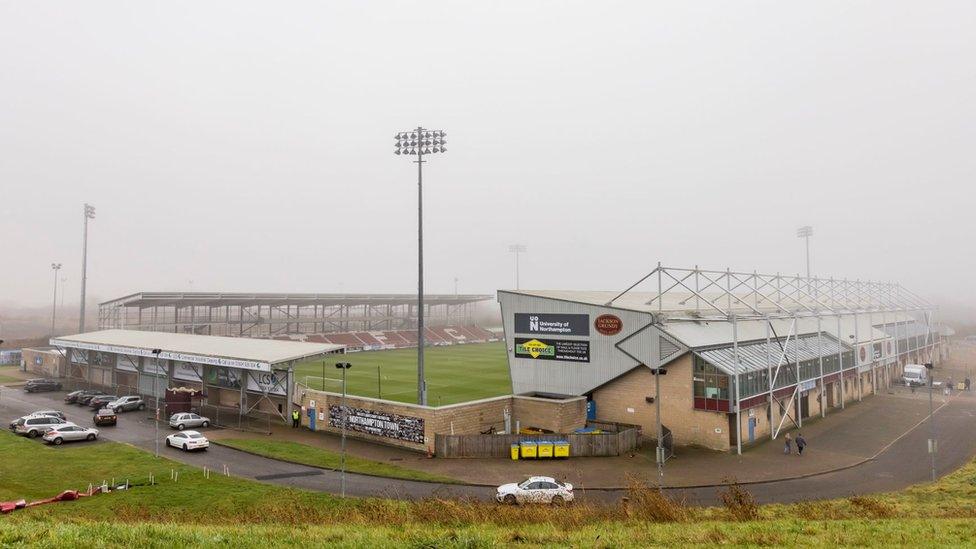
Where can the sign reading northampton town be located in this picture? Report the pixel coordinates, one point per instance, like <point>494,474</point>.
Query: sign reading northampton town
<point>552,349</point>
<point>552,324</point>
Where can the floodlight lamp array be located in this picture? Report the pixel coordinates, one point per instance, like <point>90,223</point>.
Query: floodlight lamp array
<point>420,142</point>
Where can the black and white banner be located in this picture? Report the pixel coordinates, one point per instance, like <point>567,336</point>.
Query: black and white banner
<point>379,424</point>
<point>268,382</point>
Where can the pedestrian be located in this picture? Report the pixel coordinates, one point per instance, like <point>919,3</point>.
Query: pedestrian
<point>967,383</point>
<point>801,443</point>
<point>788,445</point>
<point>296,418</point>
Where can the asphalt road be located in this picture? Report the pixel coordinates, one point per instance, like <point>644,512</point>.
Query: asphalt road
<point>903,463</point>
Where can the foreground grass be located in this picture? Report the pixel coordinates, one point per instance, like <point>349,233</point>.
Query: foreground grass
<point>915,532</point>
<point>318,457</point>
<point>228,511</point>
<point>455,373</point>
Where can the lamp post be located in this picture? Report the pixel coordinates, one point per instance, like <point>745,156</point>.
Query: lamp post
<point>517,249</point>
<point>419,142</point>
<point>932,444</point>
<point>342,453</point>
<point>54,307</point>
<point>155,353</point>
<point>805,232</point>
<point>89,214</point>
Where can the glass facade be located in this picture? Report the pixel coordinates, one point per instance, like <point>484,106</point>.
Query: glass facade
<point>711,383</point>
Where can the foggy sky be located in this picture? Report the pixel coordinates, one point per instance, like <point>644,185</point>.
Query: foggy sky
<point>246,146</point>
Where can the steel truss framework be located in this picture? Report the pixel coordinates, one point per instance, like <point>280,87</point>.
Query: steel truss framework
<point>696,295</point>
<point>267,315</point>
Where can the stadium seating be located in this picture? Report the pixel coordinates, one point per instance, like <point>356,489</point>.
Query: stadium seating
<point>438,335</point>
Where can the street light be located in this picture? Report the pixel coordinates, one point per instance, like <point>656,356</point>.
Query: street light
<point>155,353</point>
<point>54,307</point>
<point>89,214</point>
<point>342,454</point>
<point>806,232</point>
<point>419,142</point>
<point>933,446</point>
<point>517,249</point>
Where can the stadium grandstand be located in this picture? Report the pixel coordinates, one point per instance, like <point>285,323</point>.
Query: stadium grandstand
<point>358,321</point>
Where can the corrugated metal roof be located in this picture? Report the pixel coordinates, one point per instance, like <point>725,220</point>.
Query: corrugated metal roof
<point>908,329</point>
<point>220,299</point>
<point>263,351</point>
<point>760,356</point>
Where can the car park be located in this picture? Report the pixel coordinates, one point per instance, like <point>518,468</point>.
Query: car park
<point>535,490</point>
<point>69,432</point>
<point>187,440</point>
<point>182,420</point>
<point>34,426</point>
<point>101,401</point>
<point>127,404</point>
<point>40,385</point>
<point>105,416</point>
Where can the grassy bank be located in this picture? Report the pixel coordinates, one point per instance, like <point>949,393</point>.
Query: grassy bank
<point>196,511</point>
<point>915,532</point>
<point>318,457</point>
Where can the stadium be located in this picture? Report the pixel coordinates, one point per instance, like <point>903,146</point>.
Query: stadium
<point>723,358</point>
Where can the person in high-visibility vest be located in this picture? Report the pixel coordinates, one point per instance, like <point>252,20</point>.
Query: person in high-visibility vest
<point>296,418</point>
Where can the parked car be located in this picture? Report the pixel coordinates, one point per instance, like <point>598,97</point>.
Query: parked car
<point>34,426</point>
<point>188,440</point>
<point>182,420</point>
<point>535,490</point>
<point>105,416</point>
<point>86,397</point>
<point>13,423</point>
<point>69,432</point>
<point>101,401</point>
<point>127,404</point>
<point>39,385</point>
<point>72,397</point>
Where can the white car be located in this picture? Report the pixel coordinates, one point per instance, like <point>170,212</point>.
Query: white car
<point>535,490</point>
<point>69,432</point>
<point>183,420</point>
<point>188,440</point>
<point>48,413</point>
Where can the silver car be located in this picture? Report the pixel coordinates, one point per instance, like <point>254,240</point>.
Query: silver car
<point>38,425</point>
<point>69,432</point>
<point>183,420</point>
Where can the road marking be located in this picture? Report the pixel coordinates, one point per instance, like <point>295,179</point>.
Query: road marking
<point>912,428</point>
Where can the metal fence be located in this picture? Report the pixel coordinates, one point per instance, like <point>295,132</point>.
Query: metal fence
<point>232,418</point>
<point>499,446</point>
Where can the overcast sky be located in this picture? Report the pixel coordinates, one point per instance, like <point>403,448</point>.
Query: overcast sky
<point>248,146</point>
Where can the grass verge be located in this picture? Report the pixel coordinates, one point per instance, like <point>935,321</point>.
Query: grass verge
<point>317,457</point>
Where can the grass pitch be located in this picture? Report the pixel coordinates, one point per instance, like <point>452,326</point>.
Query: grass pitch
<point>456,373</point>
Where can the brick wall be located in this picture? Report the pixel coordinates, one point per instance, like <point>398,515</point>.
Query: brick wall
<point>51,362</point>
<point>465,418</point>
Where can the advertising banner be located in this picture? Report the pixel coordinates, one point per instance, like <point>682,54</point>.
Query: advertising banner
<point>79,356</point>
<point>552,349</point>
<point>552,324</point>
<point>224,377</point>
<point>381,424</point>
<point>187,371</point>
<point>268,382</point>
<point>104,360</point>
<point>127,363</point>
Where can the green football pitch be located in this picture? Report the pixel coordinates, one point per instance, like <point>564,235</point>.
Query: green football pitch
<point>455,373</point>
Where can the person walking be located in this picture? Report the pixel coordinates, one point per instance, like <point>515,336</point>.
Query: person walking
<point>801,443</point>
<point>967,383</point>
<point>296,418</point>
<point>787,445</point>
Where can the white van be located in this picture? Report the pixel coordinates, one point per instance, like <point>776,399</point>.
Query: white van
<point>915,374</point>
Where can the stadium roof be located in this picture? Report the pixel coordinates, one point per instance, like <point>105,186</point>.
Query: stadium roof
<point>234,352</point>
<point>221,299</point>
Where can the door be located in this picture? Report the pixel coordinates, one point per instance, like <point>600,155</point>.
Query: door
<point>752,430</point>
<point>830,395</point>
<point>805,406</point>
<point>733,431</point>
